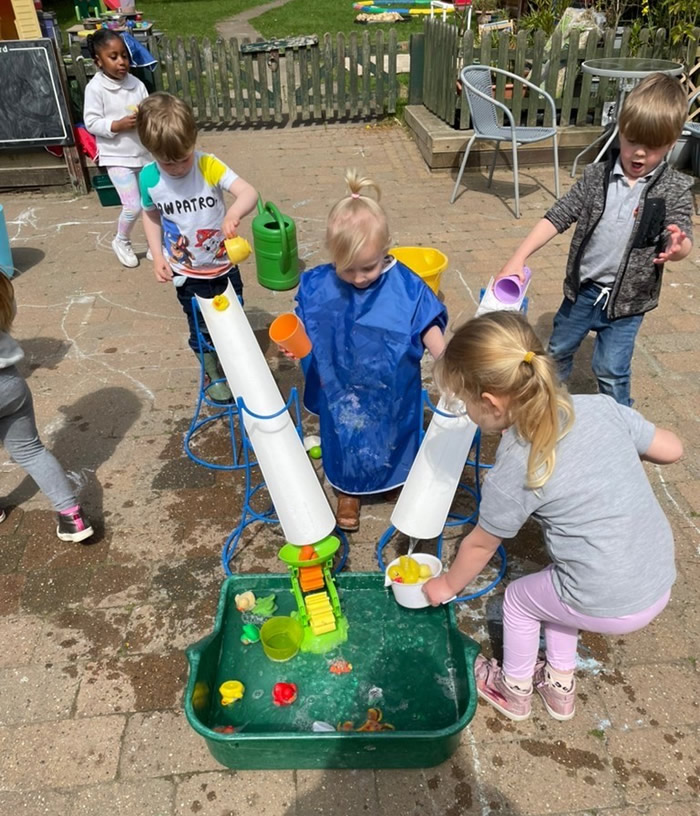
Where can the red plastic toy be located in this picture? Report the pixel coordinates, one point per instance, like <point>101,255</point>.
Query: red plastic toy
<point>284,694</point>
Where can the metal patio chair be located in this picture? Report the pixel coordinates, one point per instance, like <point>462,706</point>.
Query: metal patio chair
<point>477,85</point>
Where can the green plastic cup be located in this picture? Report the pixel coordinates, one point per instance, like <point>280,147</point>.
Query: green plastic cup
<point>281,638</point>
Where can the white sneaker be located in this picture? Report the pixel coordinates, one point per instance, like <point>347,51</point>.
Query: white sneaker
<point>149,254</point>
<point>123,251</point>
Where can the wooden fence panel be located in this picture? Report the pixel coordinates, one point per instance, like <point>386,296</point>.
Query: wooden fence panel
<point>183,67</point>
<point>519,69</point>
<point>467,59</point>
<point>234,52</point>
<point>552,80</point>
<point>585,96</point>
<point>569,78</point>
<point>223,65</point>
<point>340,83</point>
<point>379,82</point>
<point>353,54</point>
<point>392,79</point>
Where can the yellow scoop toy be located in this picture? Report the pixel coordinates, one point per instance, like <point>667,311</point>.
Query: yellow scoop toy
<point>231,691</point>
<point>409,571</point>
<point>237,249</point>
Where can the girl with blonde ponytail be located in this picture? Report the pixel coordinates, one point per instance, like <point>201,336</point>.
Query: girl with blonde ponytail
<point>369,319</point>
<point>574,465</point>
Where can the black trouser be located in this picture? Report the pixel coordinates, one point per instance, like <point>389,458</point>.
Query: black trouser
<point>207,288</point>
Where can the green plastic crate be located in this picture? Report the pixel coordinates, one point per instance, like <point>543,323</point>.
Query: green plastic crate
<point>106,191</point>
<point>414,665</point>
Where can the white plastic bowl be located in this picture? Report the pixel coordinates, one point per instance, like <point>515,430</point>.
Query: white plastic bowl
<point>411,595</point>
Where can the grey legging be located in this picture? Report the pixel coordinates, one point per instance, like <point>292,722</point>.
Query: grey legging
<point>20,437</point>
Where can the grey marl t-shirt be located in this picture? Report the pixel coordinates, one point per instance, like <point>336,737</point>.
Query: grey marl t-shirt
<point>608,537</point>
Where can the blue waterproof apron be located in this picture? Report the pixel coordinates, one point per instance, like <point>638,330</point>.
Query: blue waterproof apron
<point>363,374</point>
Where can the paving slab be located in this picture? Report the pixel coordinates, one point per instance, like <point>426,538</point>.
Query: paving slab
<point>92,639</point>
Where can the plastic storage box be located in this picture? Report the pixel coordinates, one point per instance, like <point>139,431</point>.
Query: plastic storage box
<point>106,191</point>
<point>414,666</point>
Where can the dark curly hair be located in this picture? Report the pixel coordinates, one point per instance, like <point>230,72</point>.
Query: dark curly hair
<point>100,40</point>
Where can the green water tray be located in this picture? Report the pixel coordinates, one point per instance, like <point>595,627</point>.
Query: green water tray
<point>414,665</point>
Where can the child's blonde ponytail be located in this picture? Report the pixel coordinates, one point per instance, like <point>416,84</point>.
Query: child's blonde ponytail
<point>500,354</point>
<point>7,303</point>
<point>357,220</point>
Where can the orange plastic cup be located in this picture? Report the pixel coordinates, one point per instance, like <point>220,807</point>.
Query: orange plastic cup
<point>289,333</point>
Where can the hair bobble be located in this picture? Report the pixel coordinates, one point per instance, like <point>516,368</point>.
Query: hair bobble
<point>529,357</point>
<point>354,195</point>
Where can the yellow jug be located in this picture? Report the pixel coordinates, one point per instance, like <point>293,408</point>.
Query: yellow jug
<point>237,249</point>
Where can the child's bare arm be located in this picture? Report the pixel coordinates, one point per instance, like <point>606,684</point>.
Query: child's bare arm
<point>246,198</point>
<point>665,448</point>
<point>543,232</point>
<point>473,555</point>
<point>434,341</point>
<point>154,236</point>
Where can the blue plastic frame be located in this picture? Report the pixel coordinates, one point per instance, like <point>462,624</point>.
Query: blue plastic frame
<point>229,412</point>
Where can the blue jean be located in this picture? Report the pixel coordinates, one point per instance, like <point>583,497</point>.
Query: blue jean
<point>207,288</point>
<point>614,343</point>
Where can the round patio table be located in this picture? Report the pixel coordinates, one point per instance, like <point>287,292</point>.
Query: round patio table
<point>627,71</point>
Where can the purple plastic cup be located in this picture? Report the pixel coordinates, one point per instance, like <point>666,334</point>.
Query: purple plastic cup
<point>509,290</point>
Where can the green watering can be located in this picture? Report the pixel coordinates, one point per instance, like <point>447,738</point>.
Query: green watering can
<point>275,242</point>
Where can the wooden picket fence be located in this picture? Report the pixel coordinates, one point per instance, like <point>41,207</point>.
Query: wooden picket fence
<point>230,83</point>
<point>578,97</point>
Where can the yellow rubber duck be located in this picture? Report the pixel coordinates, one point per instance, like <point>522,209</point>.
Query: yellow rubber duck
<point>231,691</point>
<point>245,601</point>
<point>409,571</point>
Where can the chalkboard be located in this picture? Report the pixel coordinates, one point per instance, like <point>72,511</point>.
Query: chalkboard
<point>33,110</point>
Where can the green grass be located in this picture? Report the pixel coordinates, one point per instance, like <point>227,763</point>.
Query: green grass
<point>198,18</point>
<point>298,17</point>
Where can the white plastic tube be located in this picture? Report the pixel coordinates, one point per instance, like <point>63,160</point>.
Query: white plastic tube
<point>422,508</point>
<point>299,500</point>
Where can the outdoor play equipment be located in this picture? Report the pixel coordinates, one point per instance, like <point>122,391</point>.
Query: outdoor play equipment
<point>318,606</point>
<point>299,501</point>
<point>424,504</point>
<point>415,666</point>
<point>406,8</point>
<point>6,264</point>
<point>275,242</point>
<point>426,262</point>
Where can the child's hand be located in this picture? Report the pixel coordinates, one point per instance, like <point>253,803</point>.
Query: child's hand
<point>512,267</point>
<point>437,590</point>
<point>230,225</point>
<point>287,353</point>
<point>676,237</point>
<point>125,123</point>
<point>162,269</point>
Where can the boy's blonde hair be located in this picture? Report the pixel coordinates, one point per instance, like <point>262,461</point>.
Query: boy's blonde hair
<point>356,221</point>
<point>655,111</point>
<point>7,303</point>
<point>166,127</point>
<point>500,354</point>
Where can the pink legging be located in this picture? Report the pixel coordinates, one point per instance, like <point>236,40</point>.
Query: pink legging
<point>531,602</point>
<point>126,183</point>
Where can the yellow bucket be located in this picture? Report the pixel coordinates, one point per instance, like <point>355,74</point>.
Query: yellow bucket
<point>427,263</point>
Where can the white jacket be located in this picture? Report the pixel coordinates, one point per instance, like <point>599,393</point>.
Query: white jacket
<point>107,100</point>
